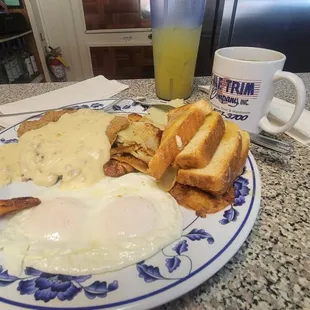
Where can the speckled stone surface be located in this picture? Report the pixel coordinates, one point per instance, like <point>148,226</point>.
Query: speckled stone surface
<point>272,268</point>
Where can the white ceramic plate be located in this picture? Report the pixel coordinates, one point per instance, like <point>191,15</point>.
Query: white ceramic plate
<point>205,247</point>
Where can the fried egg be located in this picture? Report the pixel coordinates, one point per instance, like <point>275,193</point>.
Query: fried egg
<point>106,227</point>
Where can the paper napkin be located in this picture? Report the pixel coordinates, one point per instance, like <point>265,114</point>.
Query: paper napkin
<point>281,111</point>
<point>92,89</point>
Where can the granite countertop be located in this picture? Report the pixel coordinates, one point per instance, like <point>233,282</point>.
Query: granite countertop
<point>272,268</point>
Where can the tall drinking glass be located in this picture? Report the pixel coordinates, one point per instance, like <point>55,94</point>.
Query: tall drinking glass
<point>176,29</point>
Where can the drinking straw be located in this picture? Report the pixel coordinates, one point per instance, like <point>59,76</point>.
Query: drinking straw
<point>165,11</point>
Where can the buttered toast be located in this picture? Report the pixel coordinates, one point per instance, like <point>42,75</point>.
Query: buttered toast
<point>245,138</point>
<point>199,151</point>
<point>217,176</point>
<point>183,123</point>
<point>204,203</point>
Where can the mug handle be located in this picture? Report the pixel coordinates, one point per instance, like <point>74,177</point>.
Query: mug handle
<point>299,106</point>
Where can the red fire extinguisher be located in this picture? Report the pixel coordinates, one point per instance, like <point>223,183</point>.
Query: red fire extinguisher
<point>56,64</point>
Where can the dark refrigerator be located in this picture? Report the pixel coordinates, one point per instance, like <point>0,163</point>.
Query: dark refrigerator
<point>282,25</point>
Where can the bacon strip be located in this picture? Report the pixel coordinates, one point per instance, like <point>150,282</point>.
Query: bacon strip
<point>11,205</point>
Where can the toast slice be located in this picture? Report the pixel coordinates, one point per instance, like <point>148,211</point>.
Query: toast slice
<point>204,203</point>
<point>199,151</point>
<point>244,152</point>
<point>182,125</point>
<point>220,173</point>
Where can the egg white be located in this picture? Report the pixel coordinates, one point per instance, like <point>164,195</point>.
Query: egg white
<point>111,225</point>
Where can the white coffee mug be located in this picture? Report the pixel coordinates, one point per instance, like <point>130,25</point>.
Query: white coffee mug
<point>242,87</point>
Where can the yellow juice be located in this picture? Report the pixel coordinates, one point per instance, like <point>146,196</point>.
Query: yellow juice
<point>175,53</point>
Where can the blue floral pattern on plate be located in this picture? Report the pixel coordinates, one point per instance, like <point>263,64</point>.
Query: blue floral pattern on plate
<point>150,273</point>
<point>45,286</point>
<point>8,141</point>
<point>241,191</point>
<point>126,105</point>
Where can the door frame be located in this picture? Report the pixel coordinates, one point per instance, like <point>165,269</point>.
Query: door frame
<point>103,37</point>
<point>74,38</point>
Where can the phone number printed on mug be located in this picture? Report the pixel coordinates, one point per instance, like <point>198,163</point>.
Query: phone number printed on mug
<point>232,116</point>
